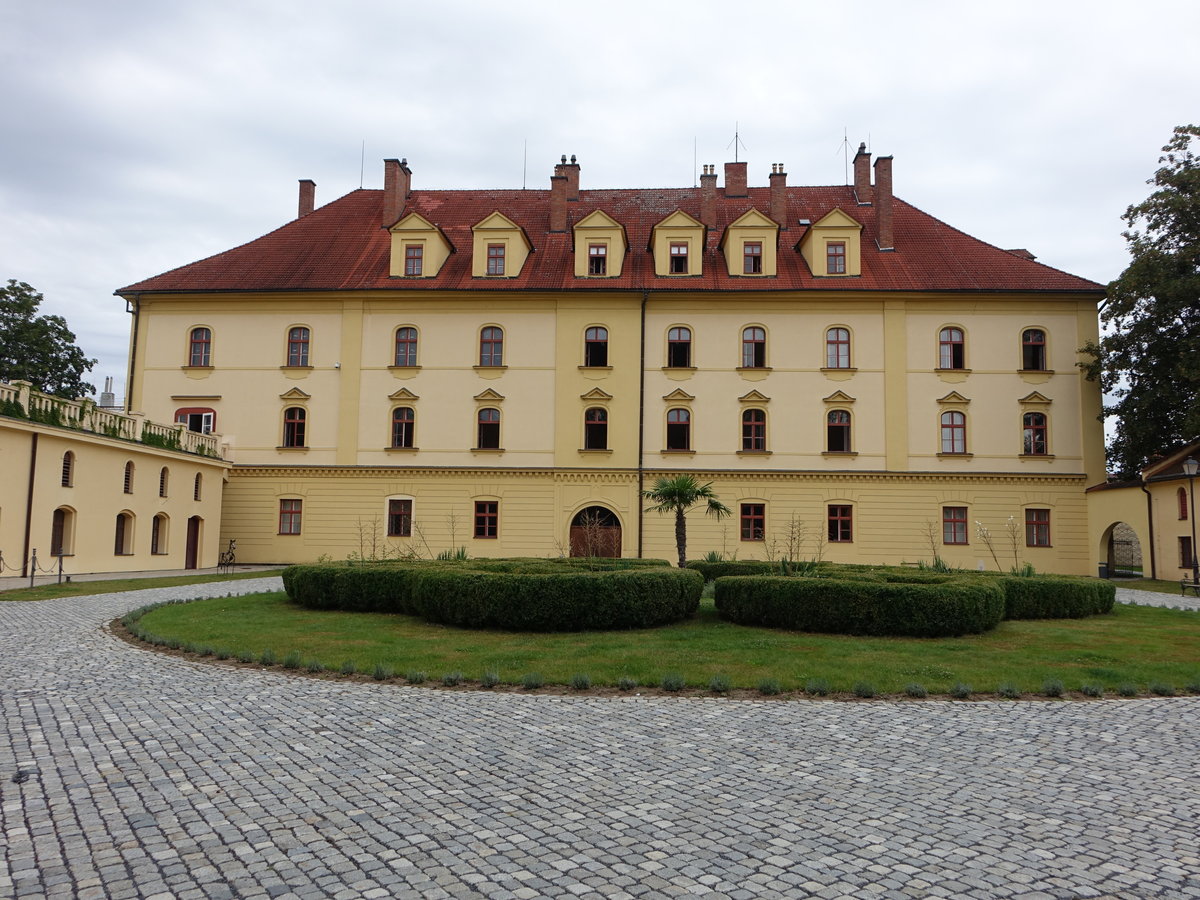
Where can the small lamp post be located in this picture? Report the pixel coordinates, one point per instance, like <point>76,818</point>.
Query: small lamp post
<point>1190,468</point>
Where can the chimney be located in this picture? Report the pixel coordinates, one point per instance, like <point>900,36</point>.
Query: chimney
<point>708,196</point>
<point>571,170</point>
<point>779,204</point>
<point>862,176</point>
<point>883,202</point>
<point>558,200</point>
<point>397,178</point>
<point>308,197</point>
<point>735,179</point>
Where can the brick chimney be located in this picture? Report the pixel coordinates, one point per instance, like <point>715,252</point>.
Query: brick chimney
<point>883,202</point>
<point>558,200</point>
<point>571,170</point>
<point>779,204</point>
<point>308,197</point>
<point>862,176</point>
<point>397,181</point>
<point>735,179</point>
<point>708,196</point>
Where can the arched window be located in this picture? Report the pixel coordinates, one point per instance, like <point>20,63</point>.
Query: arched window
<point>954,432</point>
<point>754,348</point>
<point>1033,349</point>
<point>200,347</point>
<point>837,348</point>
<point>837,431</point>
<point>196,486</point>
<point>127,484</point>
<point>754,430</point>
<point>406,347</point>
<point>595,347</point>
<point>595,429</point>
<point>402,426</point>
<point>164,478</point>
<point>158,534</point>
<point>491,346</point>
<point>123,537</point>
<point>62,532</point>
<point>297,351</point>
<point>679,429</point>
<point>68,469</point>
<point>1034,434</point>
<point>488,429</point>
<point>679,348</point>
<point>951,349</point>
<point>294,419</point>
<point>1182,500</point>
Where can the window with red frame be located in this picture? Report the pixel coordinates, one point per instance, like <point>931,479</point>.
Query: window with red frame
<point>399,518</point>
<point>595,429</point>
<point>837,348</point>
<point>1180,498</point>
<point>837,431</point>
<point>841,524</point>
<point>1033,435</point>
<point>754,348</point>
<point>597,259</point>
<point>294,421</point>
<point>495,259</point>
<point>954,525</point>
<point>488,429</point>
<point>679,429</point>
<point>487,518</point>
<point>402,427</point>
<point>754,430</point>
<point>1037,528</point>
<point>289,516</point>
<point>491,347</point>
<point>679,348</point>
<point>595,347</point>
<point>951,349</point>
<point>954,432</point>
<point>1033,349</point>
<point>754,521</point>
<point>200,347</point>
<point>297,354</point>
<point>406,347</point>
<point>752,258</point>
<point>414,259</point>
<point>835,258</point>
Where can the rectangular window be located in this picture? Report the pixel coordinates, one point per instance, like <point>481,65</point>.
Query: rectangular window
<point>289,516</point>
<point>835,258</point>
<point>1037,528</point>
<point>399,522</point>
<point>495,259</point>
<point>841,524</point>
<point>414,258</point>
<point>679,259</point>
<point>752,258</point>
<point>754,520</point>
<point>487,518</point>
<point>297,352</point>
<point>1186,559</point>
<point>597,259</point>
<point>954,525</point>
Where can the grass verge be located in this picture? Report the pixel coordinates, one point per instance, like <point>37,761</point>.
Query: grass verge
<point>117,585</point>
<point>1133,645</point>
<point>1150,584</point>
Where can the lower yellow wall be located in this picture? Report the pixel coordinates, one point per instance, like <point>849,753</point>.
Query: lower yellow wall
<point>344,512</point>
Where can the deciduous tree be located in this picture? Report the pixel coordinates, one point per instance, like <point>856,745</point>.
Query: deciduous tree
<point>39,349</point>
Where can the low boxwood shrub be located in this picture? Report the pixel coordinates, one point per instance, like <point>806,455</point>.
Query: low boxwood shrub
<point>714,570</point>
<point>942,607</point>
<point>1055,596</point>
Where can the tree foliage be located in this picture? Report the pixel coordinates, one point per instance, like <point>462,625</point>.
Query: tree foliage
<point>679,494</point>
<point>1150,360</point>
<point>39,349</point>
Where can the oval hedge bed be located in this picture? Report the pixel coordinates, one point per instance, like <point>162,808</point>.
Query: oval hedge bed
<point>518,595</point>
<point>926,605</point>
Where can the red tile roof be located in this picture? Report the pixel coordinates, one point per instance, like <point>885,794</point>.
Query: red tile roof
<point>342,246</point>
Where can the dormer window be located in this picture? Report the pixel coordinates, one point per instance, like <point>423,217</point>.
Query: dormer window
<point>495,259</point>
<point>679,258</point>
<point>752,258</point>
<point>414,258</point>
<point>835,258</point>
<point>597,259</point>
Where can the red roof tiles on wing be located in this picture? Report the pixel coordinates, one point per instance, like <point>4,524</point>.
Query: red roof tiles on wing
<point>341,246</point>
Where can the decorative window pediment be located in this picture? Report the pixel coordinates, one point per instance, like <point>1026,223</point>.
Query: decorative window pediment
<point>419,248</point>
<point>295,394</point>
<point>954,398</point>
<point>500,247</point>
<point>754,397</point>
<point>750,244</point>
<point>832,246</point>
<point>1036,398</point>
<point>600,246</point>
<point>596,394</point>
<point>678,396</point>
<point>840,397</point>
<point>677,243</point>
<point>403,394</point>
<point>489,396</point>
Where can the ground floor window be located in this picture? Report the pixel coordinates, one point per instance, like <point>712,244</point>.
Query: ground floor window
<point>754,520</point>
<point>1186,557</point>
<point>399,520</point>
<point>289,516</point>
<point>1037,528</point>
<point>954,524</point>
<point>487,518</point>
<point>841,524</point>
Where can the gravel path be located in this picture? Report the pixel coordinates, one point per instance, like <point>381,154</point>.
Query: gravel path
<point>131,774</point>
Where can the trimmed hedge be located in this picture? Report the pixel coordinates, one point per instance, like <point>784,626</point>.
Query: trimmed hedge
<point>714,570</point>
<point>950,607</point>
<point>1056,597</point>
<point>519,595</point>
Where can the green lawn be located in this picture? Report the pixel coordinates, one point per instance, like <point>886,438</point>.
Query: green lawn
<point>1150,584</point>
<point>116,585</point>
<point>1133,645</point>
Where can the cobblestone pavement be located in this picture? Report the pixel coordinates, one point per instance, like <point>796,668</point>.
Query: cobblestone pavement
<point>126,773</point>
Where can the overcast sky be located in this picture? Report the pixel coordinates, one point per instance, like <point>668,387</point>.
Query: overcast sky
<point>140,136</point>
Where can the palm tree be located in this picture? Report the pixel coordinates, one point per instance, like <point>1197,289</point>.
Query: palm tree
<point>678,495</point>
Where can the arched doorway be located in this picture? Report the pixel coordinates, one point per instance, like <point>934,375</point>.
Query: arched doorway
<point>1122,551</point>
<point>596,531</point>
<point>192,547</point>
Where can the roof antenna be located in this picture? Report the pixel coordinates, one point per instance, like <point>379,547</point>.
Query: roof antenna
<point>362,163</point>
<point>736,142</point>
<point>844,146</point>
